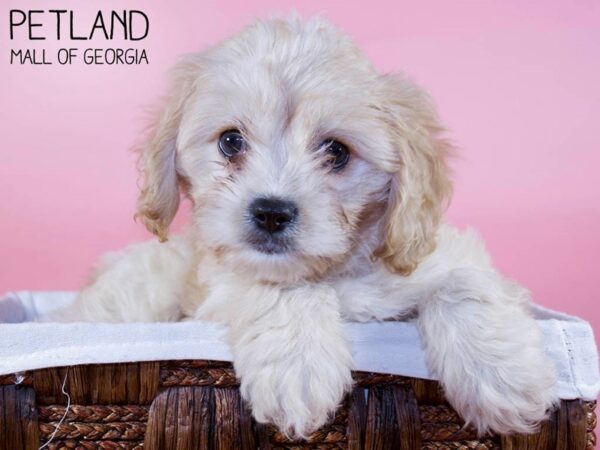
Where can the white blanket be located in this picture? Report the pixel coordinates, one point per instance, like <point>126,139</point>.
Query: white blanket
<point>389,347</point>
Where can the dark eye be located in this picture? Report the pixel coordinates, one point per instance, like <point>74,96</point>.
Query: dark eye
<point>338,153</point>
<point>231,142</point>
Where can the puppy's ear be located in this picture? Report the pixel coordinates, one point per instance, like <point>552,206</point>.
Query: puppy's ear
<point>420,186</point>
<point>158,200</point>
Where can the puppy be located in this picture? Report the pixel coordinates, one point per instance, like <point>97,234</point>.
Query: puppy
<point>318,187</point>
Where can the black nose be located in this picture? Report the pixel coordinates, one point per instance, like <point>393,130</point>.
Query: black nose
<point>272,214</point>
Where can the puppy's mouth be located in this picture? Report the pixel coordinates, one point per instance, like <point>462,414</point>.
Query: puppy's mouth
<point>270,244</point>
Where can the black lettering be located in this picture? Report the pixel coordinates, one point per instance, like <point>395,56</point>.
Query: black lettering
<point>76,38</point>
<point>143,57</point>
<point>18,54</point>
<point>31,24</point>
<point>58,12</point>
<point>146,25</point>
<point>14,24</point>
<point>114,16</point>
<point>99,23</point>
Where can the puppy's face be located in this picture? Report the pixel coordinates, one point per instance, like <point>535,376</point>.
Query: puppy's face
<point>296,154</point>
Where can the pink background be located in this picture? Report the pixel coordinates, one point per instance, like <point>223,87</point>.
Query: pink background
<point>517,83</point>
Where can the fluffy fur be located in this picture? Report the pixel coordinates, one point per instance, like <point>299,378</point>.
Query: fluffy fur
<point>368,243</point>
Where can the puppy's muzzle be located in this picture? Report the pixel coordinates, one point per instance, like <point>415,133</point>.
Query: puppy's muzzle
<point>271,223</point>
<point>273,215</point>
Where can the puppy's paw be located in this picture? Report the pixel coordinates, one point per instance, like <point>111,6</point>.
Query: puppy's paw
<point>291,356</point>
<point>299,395</point>
<point>488,352</point>
<point>504,399</point>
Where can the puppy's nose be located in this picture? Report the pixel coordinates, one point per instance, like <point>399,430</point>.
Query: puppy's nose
<point>272,214</point>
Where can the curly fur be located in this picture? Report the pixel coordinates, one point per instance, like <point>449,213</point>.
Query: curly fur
<point>369,243</point>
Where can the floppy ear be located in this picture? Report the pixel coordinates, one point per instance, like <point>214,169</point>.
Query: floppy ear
<point>158,200</point>
<point>420,186</point>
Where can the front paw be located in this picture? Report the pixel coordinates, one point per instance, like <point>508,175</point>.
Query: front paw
<point>503,400</point>
<point>298,394</point>
<point>291,356</point>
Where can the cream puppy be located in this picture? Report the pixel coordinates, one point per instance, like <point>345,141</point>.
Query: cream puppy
<point>318,187</point>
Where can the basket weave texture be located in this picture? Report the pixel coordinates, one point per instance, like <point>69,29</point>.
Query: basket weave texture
<point>192,405</point>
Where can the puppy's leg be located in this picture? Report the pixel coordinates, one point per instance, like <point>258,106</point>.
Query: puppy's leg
<point>291,356</point>
<point>479,337</point>
<point>487,351</point>
<point>141,283</point>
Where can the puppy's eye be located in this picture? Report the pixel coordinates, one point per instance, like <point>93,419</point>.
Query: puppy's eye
<point>231,142</point>
<point>338,153</point>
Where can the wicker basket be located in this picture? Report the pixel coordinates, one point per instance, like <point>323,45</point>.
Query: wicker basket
<point>187,405</point>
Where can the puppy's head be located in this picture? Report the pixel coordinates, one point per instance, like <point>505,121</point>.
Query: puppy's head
<point>296,154</point>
